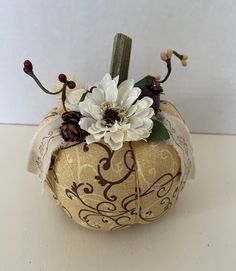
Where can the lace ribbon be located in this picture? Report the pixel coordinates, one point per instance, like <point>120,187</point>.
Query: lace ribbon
<point>45,142</point>
<point>180,140</point>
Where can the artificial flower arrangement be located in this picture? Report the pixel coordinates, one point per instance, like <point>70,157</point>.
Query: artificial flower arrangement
<point>113,154</point>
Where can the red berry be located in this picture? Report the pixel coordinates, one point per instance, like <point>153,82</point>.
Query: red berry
<point>25,70</point>
<point>28,67</point>
<point>71,84</point>
<point>62,78</point>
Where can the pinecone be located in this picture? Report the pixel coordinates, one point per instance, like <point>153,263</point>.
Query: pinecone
<point>70,129</point>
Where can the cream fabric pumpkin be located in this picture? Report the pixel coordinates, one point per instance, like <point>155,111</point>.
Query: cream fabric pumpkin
<point>108,190</point>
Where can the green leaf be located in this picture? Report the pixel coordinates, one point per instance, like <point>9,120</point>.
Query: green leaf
<point>147,80</point>
<point>159,132</point>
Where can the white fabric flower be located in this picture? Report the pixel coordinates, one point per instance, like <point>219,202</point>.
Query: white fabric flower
<point>114,114</point>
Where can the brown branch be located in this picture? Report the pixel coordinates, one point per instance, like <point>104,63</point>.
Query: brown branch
<point>167,58</point>
<point>32,75</point>
<point>169,68</point>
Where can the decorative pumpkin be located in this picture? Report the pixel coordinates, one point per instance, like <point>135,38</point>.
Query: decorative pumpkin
<point>107,161</point>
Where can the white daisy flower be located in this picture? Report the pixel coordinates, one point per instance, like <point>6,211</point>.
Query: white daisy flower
<point>114,114</point>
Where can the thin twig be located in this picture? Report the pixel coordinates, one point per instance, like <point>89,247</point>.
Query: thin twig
<point>31,74</point>
<point>168,64</point>
<point>169,68</point>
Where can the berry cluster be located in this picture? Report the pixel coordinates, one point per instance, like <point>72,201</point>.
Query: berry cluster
<point>168,54</point>
<point>28,66</point>
<point>63,79</point>
<point>28,69</point>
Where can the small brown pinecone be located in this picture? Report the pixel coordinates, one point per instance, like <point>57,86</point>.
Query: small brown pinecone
<point>70,129</point>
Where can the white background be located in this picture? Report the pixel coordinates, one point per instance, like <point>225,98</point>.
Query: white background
<point>75,37</point>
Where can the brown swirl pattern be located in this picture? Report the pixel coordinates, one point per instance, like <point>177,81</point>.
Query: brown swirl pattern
<point>108,190</point>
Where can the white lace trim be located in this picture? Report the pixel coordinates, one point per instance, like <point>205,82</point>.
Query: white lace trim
<point>180,140</point>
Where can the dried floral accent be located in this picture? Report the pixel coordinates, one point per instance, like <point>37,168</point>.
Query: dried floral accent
<point>28,69</point>
<point>150,88</point>
<point>166,56</point>
<point>70,129</point>
<point>151,85</point>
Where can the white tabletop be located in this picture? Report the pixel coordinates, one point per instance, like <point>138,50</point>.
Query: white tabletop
<point>198,233</point>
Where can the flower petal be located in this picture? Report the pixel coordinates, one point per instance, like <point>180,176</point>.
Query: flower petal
<point>111,91</point>
<point>88,109</point>
<point>136,122</point>
<point>132,97</point>
<point>97,96</point>
<point>144,102</point>
<point>99,135</point>
<point>116,79</point>
<point>117,136</point>
<point>131,111</point>
<point>124,90</point>
<point>127,84</point>
<point>115,127</point>
<point>90,139</point>
<point>150,113</point>
<point>133,134</point>
<point>109,87</point>
<point>85,123</point>
<point>143,109</point>
<point>148,123</point>
<point>100,125</point>
<point>148,100</point>
<point>114,146</point>
<point>105,78</point>
<point>93,130</point>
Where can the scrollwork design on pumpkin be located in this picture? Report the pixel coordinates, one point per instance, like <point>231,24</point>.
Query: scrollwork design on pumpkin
<point>116,221</point>
<point>105,164</point>
<point>105,210</point>
<point>109,211</point>
<point>161,194</point>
